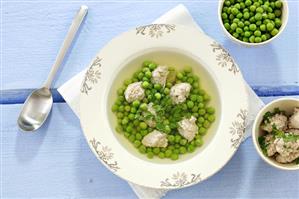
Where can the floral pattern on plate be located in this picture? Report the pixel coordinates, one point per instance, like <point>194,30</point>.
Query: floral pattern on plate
<point>155,30</point>
<point>223,57</point>
<point>180,180</point>
<point>237,129</point>
<point>92,76</point>
<point>105,154</point>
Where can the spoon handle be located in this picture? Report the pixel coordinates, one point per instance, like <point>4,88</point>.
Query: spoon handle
<point>66,43</point>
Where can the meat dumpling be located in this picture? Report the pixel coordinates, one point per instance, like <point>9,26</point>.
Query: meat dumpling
<point>134,92</point>
<point>155,139</point>
<point>180,92</point>
<point>159,75</point>
<point>188,128</point>
<point>278,120</point>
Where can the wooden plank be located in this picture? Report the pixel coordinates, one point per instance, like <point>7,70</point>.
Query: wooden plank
<point>56,162</point>
<point>17,96</point>
<point>33,32</point>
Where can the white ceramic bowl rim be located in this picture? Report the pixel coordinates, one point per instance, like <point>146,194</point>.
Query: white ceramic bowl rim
<point>256,124</point>
<point>99,133</point>
<point>285,16</point>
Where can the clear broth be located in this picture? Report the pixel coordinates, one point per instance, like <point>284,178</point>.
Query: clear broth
<point>177,59</point>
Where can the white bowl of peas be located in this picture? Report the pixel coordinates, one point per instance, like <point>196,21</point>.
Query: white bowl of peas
<point>253,22</point>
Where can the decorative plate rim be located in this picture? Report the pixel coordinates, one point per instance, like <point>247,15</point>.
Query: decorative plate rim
<point>225,63</point>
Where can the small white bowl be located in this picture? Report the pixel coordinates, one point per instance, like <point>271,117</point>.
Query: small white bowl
<point>286,104</point>
<point>284,21</point>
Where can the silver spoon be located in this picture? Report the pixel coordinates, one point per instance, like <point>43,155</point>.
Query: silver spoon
<point>39,103</point>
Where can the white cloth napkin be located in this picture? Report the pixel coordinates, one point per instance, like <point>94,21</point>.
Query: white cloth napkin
<point>70,91</point>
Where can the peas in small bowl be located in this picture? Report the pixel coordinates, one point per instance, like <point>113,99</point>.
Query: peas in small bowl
<point>253,22</point>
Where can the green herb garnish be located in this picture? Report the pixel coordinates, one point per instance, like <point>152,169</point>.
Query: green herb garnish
<point>263,145</point>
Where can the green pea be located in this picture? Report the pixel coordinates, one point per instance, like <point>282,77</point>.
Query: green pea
<point>202,130</point>
<point>211,118</point>
<point>245,39</point>
<point>174,156</point>
<point>145,84</point>
<point>142,149</point>
<point>168,153</point>
<point>171,138</point>
<point>183,142</point>
<point>271,16</point>
<point>264,37</point>
<point>161,155</point>
<point>252,27</point>
<point>156,150</point>
<point>224,15</point>
<point>277,23</point>
<point>257,39</point>
<point>270,10</point>
<point>247,34</point>
<point>233,26</point>
<point>150,155</point>
<point>258,16</point>
<point>133,110</point>
<point>257,33</point>
<point>143,125</point>
<point>125,121</point>
<point>158,96</point>
<point>166,91</point>
<point>252,8</point>
<point>247,23</point>
<point>210,110</point>
<point>259,10</point>
<point>252,19</point>
<point>263,27</point>
<point>235,11</point>
<point>148,74</point>
<point>201,111</point>
<point>132,138</point>
<point>265,16</point>
<point>274,32</point>
<point>191,148</point>
<point>199,142</point>
<point>239,15</point>
<point>177,138</point>
<point>152,66</point>
<point>190,104</point>
<point>182,150</point>
<point>200,120</point>
<point>137,143</point>
<point>246,28</point>
<point>237,5</point>
<point>248,2</point>
<point>206,124</point>
<point>270,26</point>
<point>239,30</point>
<point>136,103</point>
<point>257,4</point>
<point>241,24</point>
<point>143,106</point>
<point>278,4</point>
<point>277,13</point>
<point>246,15</point>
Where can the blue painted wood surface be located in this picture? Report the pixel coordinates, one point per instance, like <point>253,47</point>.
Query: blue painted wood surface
<point>33,33</point>
<point>56,161</point>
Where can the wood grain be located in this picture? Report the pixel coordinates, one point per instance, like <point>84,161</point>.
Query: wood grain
<point>33,32</point>
<point>55,162</point>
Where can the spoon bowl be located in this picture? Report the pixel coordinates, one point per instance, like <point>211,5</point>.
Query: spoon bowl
<point>35,110</point>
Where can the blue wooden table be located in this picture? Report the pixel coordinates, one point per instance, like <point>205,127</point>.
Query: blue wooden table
<point>56,161</point>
